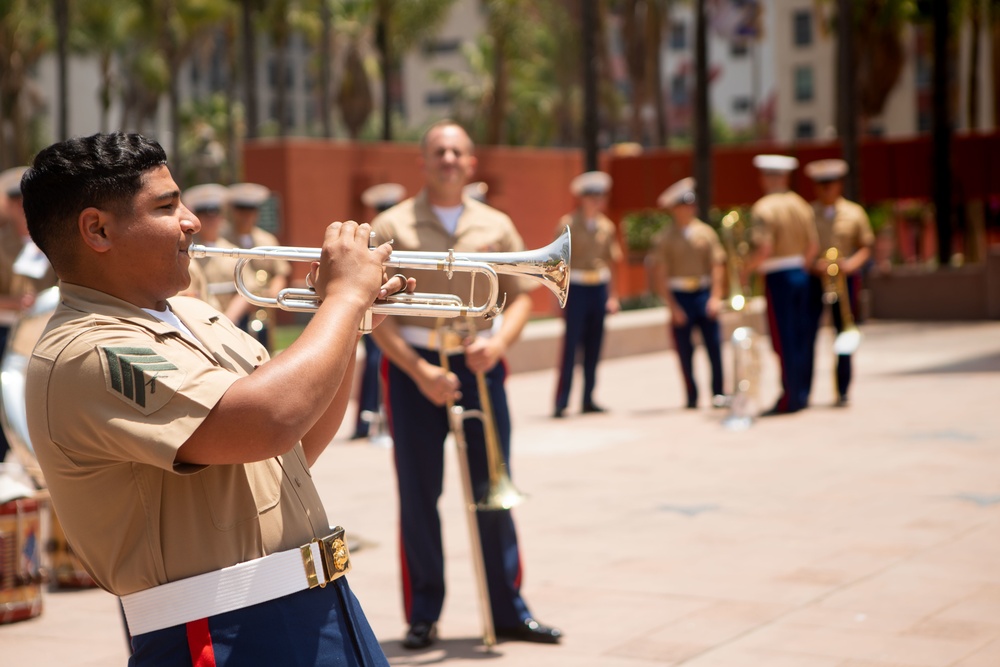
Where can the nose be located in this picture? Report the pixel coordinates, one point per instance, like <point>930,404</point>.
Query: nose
<point>189,221</point>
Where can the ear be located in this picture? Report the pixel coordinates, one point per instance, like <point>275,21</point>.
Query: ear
<point>93,224</point>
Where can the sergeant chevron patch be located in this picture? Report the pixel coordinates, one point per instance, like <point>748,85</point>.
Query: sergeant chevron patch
<point>140,376</point>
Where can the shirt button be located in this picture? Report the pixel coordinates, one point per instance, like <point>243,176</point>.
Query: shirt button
<point>297,482</point>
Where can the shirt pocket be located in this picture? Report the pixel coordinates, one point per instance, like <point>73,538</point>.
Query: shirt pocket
<point>242,492</point>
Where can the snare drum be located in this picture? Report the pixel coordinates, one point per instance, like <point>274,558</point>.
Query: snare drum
<point>62,567</point>
<point>20,560</point>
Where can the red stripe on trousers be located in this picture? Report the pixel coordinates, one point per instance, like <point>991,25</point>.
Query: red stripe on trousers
<point>200,643</point>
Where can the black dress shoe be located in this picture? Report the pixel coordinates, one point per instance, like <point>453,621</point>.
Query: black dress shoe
<point>420,635</point>
<point>593,407</point>
<point>531,630</point>
<point>559,413</point>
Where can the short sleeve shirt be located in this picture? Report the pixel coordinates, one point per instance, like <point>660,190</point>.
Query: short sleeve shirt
<point>112,393</point>
<point>413,226</point>
<point>689,252</point>
<point>844,226</point>
<point>593,244</point>
<point>785,221</point>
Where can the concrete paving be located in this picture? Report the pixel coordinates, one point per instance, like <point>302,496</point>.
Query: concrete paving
<point>866,536</point>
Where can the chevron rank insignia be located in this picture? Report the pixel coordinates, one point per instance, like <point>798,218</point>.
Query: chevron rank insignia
<point>140,376</point>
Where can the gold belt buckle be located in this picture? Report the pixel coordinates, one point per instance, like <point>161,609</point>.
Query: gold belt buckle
<point>334,557</point>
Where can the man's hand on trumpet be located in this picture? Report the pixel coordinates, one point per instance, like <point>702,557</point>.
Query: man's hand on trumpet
<point>348,266</point>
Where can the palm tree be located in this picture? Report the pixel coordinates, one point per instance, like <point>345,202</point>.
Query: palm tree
<point>642,30</point>
<point>101,27</point>
<point>248,12</point>
<point>60,9</point>
<point>405,25</point>
<point>993,14</point>
<point>25,36</point>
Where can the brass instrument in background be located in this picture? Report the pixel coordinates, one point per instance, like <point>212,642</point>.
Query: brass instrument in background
<point>743,403</point>
<point>848,340</point>
<point>500,495</point>
<point>548,265</point>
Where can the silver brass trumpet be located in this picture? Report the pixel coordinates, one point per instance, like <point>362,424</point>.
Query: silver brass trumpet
<point>548,265</point>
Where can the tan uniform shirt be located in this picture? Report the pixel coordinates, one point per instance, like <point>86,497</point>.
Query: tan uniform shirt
<point>593,244</point>
<point>112,393</point>
<point>786,221</point>
<point>844,226</point>
<point>412,225</point>
<point>691,252</point>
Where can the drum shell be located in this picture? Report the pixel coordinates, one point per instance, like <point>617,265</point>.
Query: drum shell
<point>62,567</point>
<point>20,560</point>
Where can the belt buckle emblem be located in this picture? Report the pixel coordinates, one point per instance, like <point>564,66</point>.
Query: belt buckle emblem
<point>335,559</point>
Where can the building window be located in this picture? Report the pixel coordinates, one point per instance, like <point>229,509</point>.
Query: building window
<point>678,36</point>
<point>805,129</point>
<point>437,98</point>
<point>679,90</point>
<point>802,27</point>
<point>741,104</point>
<point>433,47</point>
<point>803,83</point>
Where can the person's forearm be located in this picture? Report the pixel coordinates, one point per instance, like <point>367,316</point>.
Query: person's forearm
<point>323,431</point>
<point>718,280</point>
<point>857,260</point>
<point>515,316</point>
<point>265,413</point>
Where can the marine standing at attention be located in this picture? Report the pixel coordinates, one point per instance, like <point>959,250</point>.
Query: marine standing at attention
<point>595,254</point>
<point>689,269</point>
<point>784,244</point>
<point>440,217</point>
<point>843,227</point>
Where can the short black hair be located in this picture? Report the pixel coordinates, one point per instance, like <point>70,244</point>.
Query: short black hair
<point>103,170</point>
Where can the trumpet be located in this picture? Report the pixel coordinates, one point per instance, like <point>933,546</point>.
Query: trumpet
<point>548,265</point>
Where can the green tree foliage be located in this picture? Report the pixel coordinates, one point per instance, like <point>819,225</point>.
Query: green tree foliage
<point>26,34</point>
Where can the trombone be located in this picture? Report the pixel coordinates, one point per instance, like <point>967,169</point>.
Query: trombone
<point>848,340</point>
<point>500,495</point>
<point>548,265</point>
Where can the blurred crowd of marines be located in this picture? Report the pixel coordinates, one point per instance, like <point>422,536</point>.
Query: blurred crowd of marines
<point>790,243</point>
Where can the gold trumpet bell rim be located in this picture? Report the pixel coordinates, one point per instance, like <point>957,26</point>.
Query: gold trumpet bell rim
<point>501,496</point>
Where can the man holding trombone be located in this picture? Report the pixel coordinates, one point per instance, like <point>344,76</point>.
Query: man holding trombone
<point>845,242</point>
<point>435,370</point>
<point>176,452</point>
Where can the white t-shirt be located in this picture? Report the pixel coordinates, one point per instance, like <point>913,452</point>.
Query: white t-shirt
<point>167,317</point>
<point>449,215</point>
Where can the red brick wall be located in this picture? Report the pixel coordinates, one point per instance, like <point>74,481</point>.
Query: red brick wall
<point>321,181</point>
